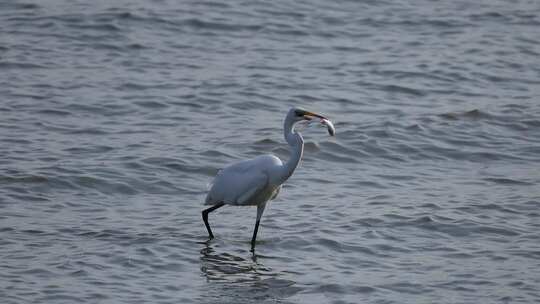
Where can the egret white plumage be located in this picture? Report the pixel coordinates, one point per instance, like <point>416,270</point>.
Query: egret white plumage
<point>256,181</point>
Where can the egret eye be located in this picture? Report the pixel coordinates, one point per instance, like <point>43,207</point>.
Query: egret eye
<point>299,113</point>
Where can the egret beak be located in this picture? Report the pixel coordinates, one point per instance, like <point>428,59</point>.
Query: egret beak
<point>309,115</point>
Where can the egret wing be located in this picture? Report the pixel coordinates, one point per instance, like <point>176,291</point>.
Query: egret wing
<point>237,184</point>
<point>252,189</point>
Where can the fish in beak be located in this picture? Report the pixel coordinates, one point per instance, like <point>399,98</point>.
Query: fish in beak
<point>323,120</point>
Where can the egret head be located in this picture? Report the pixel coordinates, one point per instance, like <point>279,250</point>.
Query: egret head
<point>297,114</point>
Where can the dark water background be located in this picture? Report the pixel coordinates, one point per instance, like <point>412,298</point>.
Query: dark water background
<point>115,115</point>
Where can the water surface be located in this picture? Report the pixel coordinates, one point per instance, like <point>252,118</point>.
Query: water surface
<point>115,117</point>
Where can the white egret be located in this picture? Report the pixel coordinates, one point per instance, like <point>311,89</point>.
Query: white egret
<point>256,181</point>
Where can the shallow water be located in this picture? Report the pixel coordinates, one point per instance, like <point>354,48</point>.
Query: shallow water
<point>115,117</point>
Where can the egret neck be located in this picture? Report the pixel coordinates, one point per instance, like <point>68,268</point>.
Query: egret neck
<point>296,142</point>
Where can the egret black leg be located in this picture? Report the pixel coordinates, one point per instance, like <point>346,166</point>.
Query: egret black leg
<point>260,210</point>
<point>205,218</point>
<point>254,236</point>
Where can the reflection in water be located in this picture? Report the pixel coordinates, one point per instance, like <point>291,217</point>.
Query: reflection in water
<point>234,279</point>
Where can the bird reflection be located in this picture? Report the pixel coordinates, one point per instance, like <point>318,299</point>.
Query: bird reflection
<point>231,268</point>
<point>236,279</point>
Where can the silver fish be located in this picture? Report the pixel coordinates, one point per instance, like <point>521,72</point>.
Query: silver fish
<point>330,126</point>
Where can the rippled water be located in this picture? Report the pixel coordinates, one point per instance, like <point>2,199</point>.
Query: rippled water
<point>116,115</point>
